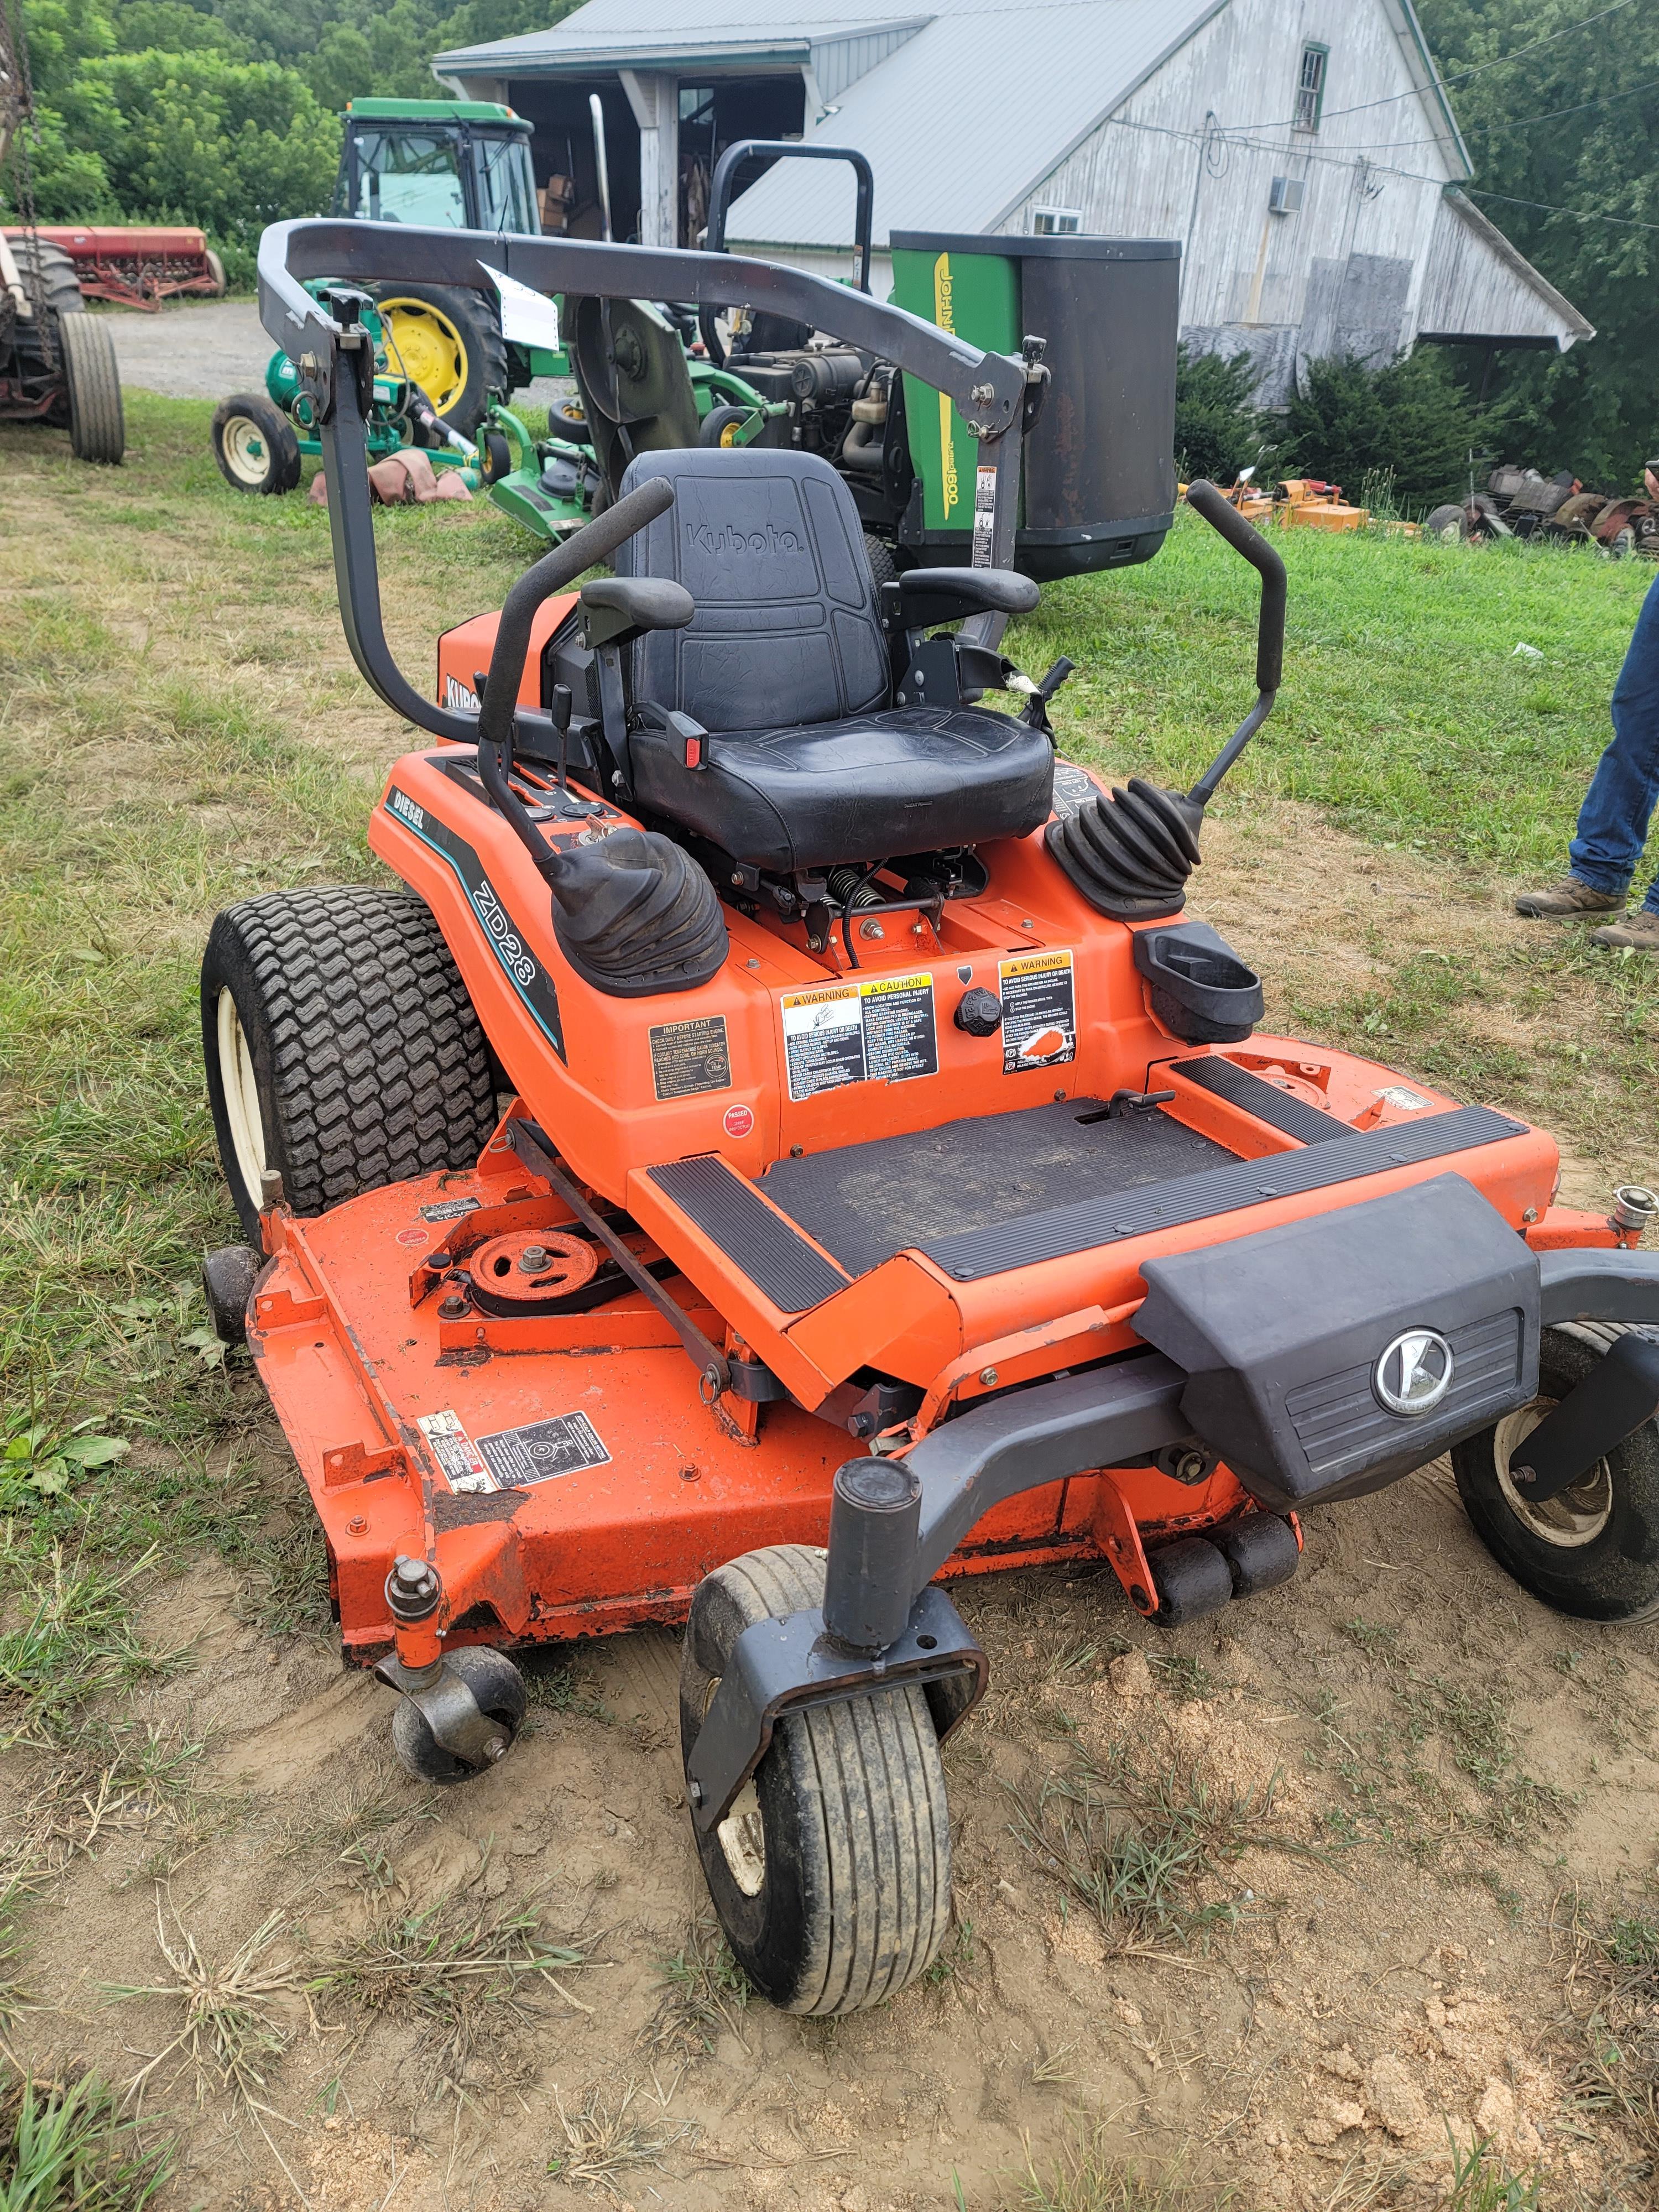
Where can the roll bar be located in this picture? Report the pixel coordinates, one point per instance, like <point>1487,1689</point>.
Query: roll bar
<point>782,149</point>
<point>336,362</point>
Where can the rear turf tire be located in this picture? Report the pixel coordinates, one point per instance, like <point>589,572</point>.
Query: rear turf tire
<point>831,1876</point>
<point>342,1048</point>
<point>254,444</point>
<point>1449,524</point>
<point>97,425</point>
<point>1594,1552</point>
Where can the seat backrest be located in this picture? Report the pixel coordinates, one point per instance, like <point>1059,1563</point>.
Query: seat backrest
<point>769,545</point>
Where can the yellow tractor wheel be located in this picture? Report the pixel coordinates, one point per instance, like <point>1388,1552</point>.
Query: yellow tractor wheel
<point>448,340</point>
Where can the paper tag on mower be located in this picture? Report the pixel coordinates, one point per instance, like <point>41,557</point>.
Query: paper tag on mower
<point>464,1467</point>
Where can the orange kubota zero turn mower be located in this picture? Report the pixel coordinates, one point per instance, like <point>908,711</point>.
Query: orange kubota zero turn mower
<point>788,1150</point>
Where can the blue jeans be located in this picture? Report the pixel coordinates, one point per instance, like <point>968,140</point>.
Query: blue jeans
<point>1613,822</point>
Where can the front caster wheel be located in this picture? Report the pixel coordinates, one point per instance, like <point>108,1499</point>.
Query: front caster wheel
<point>831,1873</point>
<point>1592,1552</point>
<point>498,1687</point>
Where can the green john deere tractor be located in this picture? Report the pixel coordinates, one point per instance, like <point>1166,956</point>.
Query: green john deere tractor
<point>449,164</point>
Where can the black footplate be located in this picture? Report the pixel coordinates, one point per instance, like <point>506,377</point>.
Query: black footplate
<point>1328,1356</point>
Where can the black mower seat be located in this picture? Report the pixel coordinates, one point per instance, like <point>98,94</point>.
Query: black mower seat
<point>785,665</point>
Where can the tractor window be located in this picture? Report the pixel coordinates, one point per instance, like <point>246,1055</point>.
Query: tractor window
<point>410,176</point>
<point>507,187</point>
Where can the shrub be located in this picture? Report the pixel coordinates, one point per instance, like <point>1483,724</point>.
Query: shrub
<point>1347,420</point>
<point>1219,428</point>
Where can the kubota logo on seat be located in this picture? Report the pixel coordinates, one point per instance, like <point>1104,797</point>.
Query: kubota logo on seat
<point>728,540</point>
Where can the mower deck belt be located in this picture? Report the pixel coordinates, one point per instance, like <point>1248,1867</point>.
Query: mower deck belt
<point>1066,1229</point>
<point>865,1202</point>
<point>775,1258</point>
<point>1266,1102</point>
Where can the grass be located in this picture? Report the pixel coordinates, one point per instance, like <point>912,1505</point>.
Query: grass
<point>607,2138</point>
<point>1086,2176</point>
<point>1146,1856</point>
<point>233,2027</point>
<point>66,2147</point>
<point>1614,1988</point>
<point>704,1992</point>
<point>1403,711</point>
<point>474,1976</point>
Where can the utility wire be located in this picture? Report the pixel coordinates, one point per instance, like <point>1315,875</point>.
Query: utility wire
<point>1479,68</point>
<point>1506,123</point>
<point>1578,214</point>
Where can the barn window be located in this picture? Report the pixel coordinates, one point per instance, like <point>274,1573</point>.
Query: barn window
<point>1310,87</point>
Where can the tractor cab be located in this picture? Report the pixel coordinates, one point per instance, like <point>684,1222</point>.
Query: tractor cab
<point>449,164</point>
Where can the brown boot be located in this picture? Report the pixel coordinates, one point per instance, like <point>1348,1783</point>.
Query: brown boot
<point>1637,933</point>
<point>1566,901</point>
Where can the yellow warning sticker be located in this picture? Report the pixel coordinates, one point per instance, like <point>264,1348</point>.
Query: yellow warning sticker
<point>878,1030</point>
<point>1039,1011</point>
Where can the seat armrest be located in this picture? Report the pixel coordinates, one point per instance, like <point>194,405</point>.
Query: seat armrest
<point>619,608</point>
<point>927,596</point>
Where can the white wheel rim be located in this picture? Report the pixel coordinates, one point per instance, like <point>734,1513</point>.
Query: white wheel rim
<point>742,1839</point>
<point>246,454</point>
<point>1579,1514</point>
<point>241,1092</point>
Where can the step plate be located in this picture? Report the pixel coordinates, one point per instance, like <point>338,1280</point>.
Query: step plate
<point>1063,1229</point>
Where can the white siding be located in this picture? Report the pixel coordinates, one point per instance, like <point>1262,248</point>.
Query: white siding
<point>1471,286</point>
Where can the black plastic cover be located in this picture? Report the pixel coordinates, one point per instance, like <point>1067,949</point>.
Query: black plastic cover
<point>1280,1335</point>
<point>1202,991</point>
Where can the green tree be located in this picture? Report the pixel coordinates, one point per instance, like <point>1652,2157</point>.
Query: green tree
<point>198,138</point>
<point>1594,410</point>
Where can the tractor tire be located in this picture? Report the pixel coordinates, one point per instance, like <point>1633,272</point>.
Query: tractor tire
<point>884,568</point>
<point>448,340</point>
<point>55,270</point>
<point>1593,1551</point>
<point>719,424</point>
<point>1449,524</point>
<point>254,444</point>
<point>341,1047</point>
<point>831,1873</point>
<point>98,429</point>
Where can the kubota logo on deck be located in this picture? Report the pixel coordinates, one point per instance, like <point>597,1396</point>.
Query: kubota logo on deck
<point>702,539</point>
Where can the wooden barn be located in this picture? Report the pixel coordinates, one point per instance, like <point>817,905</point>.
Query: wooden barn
<point>1305,153</point>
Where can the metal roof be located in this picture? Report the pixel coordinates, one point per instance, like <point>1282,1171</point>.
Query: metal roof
<point>608,33</point>
<point>964,119</point>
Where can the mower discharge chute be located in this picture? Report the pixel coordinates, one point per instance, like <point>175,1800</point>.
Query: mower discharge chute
<point>789,1149</point>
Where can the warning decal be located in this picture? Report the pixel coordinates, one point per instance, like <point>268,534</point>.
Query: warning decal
<point>1073,789</point>
<point>563,1445</point>
<point>879,1031</point>
<point>455,1451</point>
<point>687,1057</point>
<point>1039,1011</point>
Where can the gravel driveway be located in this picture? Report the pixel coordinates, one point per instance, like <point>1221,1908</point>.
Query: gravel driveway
<point>193,349</point>
<point>208,348</point>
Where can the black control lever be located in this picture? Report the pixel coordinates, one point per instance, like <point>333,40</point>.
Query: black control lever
<point>595,541</point>
<point>1247,540</point>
